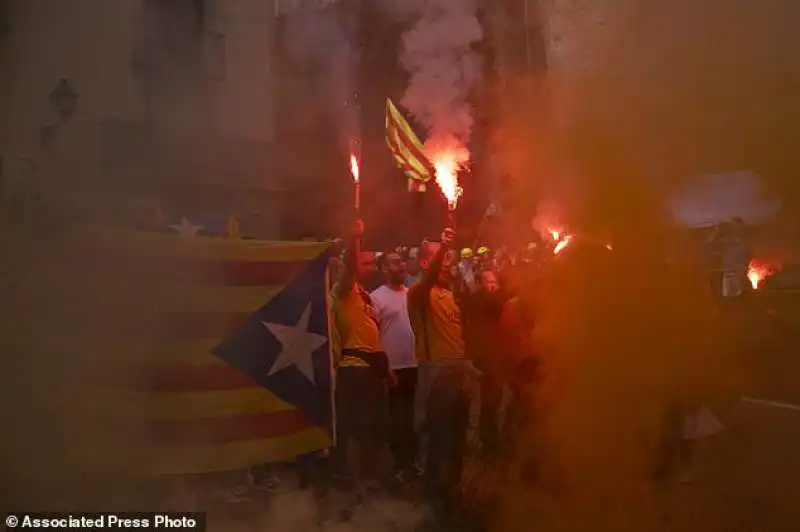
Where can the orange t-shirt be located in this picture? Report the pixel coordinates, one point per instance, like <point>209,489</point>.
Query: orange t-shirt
<point>442,324</point>
<point>356,323</point>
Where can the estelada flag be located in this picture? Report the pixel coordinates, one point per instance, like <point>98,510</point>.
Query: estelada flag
<point>407,149</point>
<point>221,348</point>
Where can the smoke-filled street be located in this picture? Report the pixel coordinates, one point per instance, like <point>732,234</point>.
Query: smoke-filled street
<point>384,265</point>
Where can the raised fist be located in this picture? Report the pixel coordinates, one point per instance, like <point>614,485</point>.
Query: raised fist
<point>448,236</point>
<point>358,228</point>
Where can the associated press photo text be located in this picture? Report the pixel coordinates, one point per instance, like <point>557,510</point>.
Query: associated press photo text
<point>107,521</point>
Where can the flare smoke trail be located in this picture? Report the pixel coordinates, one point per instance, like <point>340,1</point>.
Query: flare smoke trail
<point>322,37</point>
<point>438,54</point>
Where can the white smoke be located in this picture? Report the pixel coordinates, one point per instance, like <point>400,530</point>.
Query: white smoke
<point>438,54</point>
<point>298,511</point>
<point>717,198</point>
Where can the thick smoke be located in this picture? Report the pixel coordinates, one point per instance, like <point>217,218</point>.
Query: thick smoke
<point>443,66</point>
<point>321,39</point>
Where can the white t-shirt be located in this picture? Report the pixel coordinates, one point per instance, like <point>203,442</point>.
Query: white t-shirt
<point>397,338</point>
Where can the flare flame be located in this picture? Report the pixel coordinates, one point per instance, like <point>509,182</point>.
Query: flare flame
<point>448,162</point>
<point>354,170</point>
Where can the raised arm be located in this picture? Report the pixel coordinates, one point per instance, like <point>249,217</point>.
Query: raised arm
<point>351,254</point>
<point>431,277</point>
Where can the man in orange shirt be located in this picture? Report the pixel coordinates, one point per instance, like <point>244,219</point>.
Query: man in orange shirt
<point>362,371</point>
<point>446,377</point>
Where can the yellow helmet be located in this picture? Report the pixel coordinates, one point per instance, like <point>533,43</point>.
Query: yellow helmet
<point>483,250</point>
<point>466,253</point>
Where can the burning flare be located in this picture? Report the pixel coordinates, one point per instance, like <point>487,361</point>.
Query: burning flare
<point>447,162</point>
<point>354,167</point>
<point>559,238</point>
<point>758,271</point>
<point>562,244</point>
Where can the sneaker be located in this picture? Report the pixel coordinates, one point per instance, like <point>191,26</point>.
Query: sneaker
<point>234,495</point>
<point>342,482</point>
<point>263,480</point>
<point>356,502</point>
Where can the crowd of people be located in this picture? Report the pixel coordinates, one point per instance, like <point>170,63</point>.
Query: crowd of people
<point>425,331</point>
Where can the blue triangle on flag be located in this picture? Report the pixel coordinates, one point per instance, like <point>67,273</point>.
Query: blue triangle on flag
<point>285,345</point>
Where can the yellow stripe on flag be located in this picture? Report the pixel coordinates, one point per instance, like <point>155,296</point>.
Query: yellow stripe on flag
<point>399,121</point>
<point>225,457</point>
<point>168,245</point>
<point>413,167</point>
<point>72,337</point>
<point>170,295</point>
<point>405,145</point>
<point>197,405</point>
<point>156,296</point>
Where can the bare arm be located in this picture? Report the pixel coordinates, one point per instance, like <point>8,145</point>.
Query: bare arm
<point>431,277</point>
<point>351,253</point>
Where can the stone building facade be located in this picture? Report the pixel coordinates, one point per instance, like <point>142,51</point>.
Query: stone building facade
<point>174,103</point>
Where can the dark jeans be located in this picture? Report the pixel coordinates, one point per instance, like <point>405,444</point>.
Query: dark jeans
<point>403,440</point>
<point>313,470</point>
<point>446,423</point>
<point>360,394</point>
<point>491,399</point>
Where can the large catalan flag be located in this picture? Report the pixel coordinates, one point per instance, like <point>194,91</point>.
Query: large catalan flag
<point>407,149</point>
<point>237,369</point>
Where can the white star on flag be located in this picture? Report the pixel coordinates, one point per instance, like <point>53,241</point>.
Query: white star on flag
<point>298,345</point>
<point>185,228</point>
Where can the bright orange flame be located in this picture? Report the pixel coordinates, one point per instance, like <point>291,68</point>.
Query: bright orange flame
<point>447,162</point>
<point>354,167</point>
<point>562,244</point>
<point>555,235</point>
<point>757,272</point>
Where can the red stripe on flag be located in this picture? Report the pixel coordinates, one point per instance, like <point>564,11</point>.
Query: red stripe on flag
<point>239,273</point>
<point>391,140</point>
<point>188,326</point>
<point>410,144</point>
<point>189,378</point>
<point>209,271</point>
<point>242,427</point>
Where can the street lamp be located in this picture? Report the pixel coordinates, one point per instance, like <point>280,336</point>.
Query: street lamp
<point>64,99</point>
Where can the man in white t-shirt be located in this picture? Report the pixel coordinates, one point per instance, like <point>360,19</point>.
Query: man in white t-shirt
<point>397,340</point>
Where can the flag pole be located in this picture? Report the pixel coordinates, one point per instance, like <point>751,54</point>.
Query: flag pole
<point>331,354</point>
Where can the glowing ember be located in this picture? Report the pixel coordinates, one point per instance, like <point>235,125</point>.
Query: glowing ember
<point>562,244</point>
<point>447,162</point>
<point>555,235</point>
<point>354,167</point>
<point>757,272</point>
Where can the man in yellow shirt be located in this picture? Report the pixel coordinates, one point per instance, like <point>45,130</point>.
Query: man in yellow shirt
<point>362,371</point>
<point>446,378</point>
